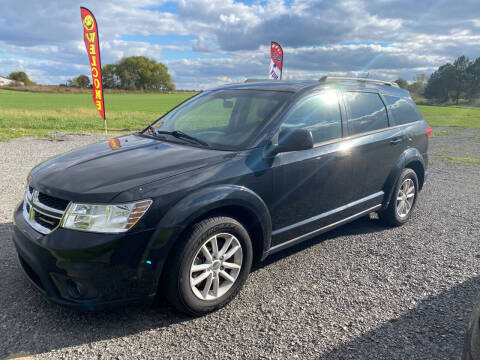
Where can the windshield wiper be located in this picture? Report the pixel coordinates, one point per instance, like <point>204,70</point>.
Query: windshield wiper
<point>153,131</point>
<point>180,134</point>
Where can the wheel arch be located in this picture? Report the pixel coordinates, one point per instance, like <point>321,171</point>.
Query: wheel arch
<point>234,201</point>
<point>419,169</point>
<point>410,158</point>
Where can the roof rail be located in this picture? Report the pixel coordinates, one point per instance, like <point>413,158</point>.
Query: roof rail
<point>258,80</point>
<point>389,83</point>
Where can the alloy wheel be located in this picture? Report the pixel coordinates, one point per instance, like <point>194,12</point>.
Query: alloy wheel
<point>216,266</point>
<point>405,198</point>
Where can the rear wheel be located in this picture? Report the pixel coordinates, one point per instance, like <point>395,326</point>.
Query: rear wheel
<point>403,199</point>
<point>211,266</point>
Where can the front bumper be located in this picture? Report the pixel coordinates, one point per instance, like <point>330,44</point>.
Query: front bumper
<point>86,271</point>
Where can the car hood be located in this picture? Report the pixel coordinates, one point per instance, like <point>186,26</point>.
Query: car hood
<point>98,172</point>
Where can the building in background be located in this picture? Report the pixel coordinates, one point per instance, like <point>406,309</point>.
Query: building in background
<point>4,81</point>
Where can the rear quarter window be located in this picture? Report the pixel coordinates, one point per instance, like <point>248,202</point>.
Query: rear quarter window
<point>404,111</point>
<point>367,112</point>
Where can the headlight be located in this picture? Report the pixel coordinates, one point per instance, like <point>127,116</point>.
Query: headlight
<point>104,218</point>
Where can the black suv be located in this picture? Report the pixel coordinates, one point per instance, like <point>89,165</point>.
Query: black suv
<point>231,176</point>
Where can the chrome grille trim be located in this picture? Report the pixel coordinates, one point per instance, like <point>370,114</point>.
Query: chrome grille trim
<point>38,205</point>
<point>31,199</point>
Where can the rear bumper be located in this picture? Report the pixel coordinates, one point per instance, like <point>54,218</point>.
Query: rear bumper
<point>86,271</point>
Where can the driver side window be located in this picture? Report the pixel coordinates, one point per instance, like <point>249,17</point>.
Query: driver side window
<point>319,113</point>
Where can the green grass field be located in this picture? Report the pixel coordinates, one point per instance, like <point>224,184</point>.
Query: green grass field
<point>451,116</point>
<point>30,114</point>
<point>36,114</point>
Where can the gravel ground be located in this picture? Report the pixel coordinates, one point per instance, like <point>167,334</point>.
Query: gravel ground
<point>362,291</point>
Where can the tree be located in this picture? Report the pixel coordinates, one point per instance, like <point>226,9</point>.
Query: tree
<point>132,73</point>
<point>139,72</point>
<point>417,87</point>
<point>402,83</point>
<point>20,76</point>
<point>441,82</point>
<point>460,80</point>
<point>110,78</point>
<point>461,65</point>
<point>82,81</point>
<point>421,79</point>
<point>473,80</point>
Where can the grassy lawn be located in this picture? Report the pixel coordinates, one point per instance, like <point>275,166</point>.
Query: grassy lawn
<point>460,159</point>
<point>451,116</point>
<point>35,114</point>
<point>32,114</point>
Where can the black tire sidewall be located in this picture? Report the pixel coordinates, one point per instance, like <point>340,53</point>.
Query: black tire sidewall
<point>193,304</point>
<point>406,173</point>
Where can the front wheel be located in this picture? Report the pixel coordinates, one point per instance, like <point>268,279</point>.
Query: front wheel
<point>403,200</point>
<point>211,266</point>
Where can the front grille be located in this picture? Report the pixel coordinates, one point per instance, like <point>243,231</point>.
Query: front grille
<point>46,221</point>
<point>43,212</point>
<point>53,202</point>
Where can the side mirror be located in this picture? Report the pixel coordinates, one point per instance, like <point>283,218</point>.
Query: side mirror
<point>291,140</point>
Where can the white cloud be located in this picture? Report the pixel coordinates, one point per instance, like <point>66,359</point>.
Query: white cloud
<point>387,38</point>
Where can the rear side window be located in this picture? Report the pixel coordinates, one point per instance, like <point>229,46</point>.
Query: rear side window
<point>403,110</point>
<point>367,111</point>
<point>320,114</point>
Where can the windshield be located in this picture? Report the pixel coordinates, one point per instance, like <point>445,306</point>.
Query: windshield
<point>223,118</point>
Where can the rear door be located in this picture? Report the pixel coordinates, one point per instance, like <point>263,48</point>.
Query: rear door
<point>405,113</point>
<point>375,145</point>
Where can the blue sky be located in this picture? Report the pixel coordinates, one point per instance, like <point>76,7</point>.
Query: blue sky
<point>205,43</point>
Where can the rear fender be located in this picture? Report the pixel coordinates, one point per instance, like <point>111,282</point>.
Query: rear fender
<point>408,156</point>
<point>392,179</point>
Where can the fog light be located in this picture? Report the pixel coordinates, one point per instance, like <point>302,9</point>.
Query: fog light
<point>75,290</point>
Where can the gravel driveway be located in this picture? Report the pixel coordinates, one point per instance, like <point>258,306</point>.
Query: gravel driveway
<point>362,291</point>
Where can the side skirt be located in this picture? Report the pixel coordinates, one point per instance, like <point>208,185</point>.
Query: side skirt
<point>314,233</point>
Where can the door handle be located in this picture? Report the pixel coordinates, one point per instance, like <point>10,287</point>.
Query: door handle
<point>395,141</point>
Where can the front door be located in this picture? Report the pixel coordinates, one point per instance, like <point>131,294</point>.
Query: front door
<point>310,185</point>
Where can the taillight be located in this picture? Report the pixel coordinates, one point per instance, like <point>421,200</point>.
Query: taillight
<point>429,131</point>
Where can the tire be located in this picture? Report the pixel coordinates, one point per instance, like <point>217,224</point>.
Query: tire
<point>214,291</point>
<point>391,215</point>
<point>471,348</point>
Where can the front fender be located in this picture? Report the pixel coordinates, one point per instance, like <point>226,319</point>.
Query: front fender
<point>210,198</point>
<point>197,204</point>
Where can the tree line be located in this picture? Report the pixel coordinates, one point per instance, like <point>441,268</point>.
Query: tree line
<point>450,82</point>
<point>21,76</point>
<point>131,73</point>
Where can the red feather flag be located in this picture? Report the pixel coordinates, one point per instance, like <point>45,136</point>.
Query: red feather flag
<point>90,33</point>
<point>276,61</point>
